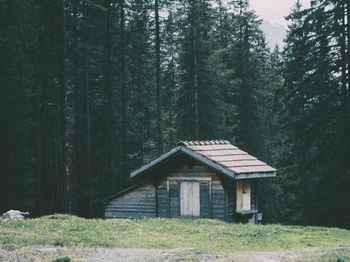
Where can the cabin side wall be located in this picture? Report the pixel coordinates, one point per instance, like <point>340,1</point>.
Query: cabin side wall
<point>246,209</point>
<point>140,202</point>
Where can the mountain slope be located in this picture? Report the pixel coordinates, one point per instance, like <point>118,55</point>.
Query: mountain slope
<point>274,33</point>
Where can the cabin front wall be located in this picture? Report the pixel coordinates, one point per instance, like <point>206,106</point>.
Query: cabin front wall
<point>193,190</point>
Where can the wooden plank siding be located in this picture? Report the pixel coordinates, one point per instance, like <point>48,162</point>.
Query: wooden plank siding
<point>218,209</point>
<point>141,202</point>
<point>254,204</point>
<point>174,199</point>
<point>162,199</point>
<point>213,202</point>
<point>231,201</point>
<point>205,196</point>
<point>162,196</point>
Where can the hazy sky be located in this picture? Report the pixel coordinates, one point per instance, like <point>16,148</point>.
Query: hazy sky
<point>275,10</point>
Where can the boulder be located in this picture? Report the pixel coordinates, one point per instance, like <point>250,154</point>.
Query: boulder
<point>15,214</point>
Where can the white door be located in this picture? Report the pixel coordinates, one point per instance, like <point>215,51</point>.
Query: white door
<point>189,198</point>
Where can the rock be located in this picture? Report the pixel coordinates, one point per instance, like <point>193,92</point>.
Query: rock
<point>15,214</point>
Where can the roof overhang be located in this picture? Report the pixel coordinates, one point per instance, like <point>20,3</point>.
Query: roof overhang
<point>255,175</point>
<point>211,164</point>
<point>156,162</point>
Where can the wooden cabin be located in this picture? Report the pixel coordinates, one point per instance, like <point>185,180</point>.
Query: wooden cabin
<point>197,179</point>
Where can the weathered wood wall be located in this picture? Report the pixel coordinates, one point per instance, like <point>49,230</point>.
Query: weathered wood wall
<point>254,203</point>
<point>213,199</point>
<point>139,202</point>
<point>231,191</point>
<point>205,193</point>
<point>161,197</point>
<point>218,196</point>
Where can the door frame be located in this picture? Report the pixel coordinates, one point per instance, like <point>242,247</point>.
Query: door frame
<point>194,179</point>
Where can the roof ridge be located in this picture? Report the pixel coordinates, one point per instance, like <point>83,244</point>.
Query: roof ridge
<point>203,142</point>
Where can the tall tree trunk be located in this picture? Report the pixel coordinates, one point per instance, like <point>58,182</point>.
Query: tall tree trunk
<point>82,182</point>
<point>344,56</point>
<point>46,107</point>
<point>243,93</point>
<point>107,175</point>
<point>88,135</point>
<point>64,168</point>
<point>195,86</point>
<point>77,111</point>
<point>348,54</point>
<point>158,80</point>
<point>195,68</point>
<point>123,89</point>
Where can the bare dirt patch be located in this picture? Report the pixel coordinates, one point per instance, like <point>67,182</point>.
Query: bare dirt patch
<point>87,254</point>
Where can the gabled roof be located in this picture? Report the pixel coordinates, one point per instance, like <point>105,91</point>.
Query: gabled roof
<point>220,155</point>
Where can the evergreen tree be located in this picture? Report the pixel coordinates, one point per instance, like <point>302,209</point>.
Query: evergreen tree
<point>196,102</point>
<point>142,141</point>
<point>250,56</point>
<point>314,100</point>
<point>170,78</point>
<point>17,91</point>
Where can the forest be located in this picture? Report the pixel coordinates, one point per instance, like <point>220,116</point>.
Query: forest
<point>92,89</point>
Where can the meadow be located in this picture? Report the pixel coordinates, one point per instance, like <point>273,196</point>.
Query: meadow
<point>196,236</point>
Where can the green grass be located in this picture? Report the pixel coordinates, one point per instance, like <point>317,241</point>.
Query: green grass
<point>158,233</point>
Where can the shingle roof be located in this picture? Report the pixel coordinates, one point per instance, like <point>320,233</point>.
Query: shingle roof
<point>220,155</point>
<point>228,156</point>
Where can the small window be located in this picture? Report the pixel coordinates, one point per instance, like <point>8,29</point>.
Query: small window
<point>243,195</point>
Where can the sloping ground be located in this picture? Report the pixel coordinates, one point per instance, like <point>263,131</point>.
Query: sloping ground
<point>86,254</point>
<point>166,240</point>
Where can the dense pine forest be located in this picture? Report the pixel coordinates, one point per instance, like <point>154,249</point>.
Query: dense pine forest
<point>92,89</point>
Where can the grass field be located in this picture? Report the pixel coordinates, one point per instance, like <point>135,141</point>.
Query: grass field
<point>171,234</point>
